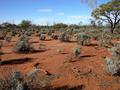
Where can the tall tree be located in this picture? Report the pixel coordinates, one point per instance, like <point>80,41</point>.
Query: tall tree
<point>109,13</point>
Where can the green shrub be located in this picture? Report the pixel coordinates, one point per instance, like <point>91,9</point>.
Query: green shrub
<point>112,66</point>
<point>13,81</point>
<point>82,39</point>
<point>105,39</point>
<point>8,39</point>
<point>64,37</point>
<point>42,37</point>
<point>77,51</point>
<point>23,46</point>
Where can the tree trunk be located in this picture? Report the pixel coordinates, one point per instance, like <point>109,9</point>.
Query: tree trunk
<point>112,28</point>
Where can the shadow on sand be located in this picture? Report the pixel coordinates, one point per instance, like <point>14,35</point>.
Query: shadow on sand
<point>16,61</point>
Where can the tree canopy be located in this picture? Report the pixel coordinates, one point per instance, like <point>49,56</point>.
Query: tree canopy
<point>109,13</point>
<point>25,24</point>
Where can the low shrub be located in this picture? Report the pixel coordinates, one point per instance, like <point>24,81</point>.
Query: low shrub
<point>76,51</point>
<point>112,66</point>
<point>13,81</point>
<point>23,46</point>
<point>42,37</point>
<point>82,39</point>
<point>64,37</point>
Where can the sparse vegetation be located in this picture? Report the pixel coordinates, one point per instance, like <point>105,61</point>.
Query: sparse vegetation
<point>71,53</point>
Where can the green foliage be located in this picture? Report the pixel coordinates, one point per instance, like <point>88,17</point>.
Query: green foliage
<point>42,37</point>
<point>109,12</point>
<point>4,33</point>
<point>23,46</point>
<point>59,26</point>
<point>25,24</point>
<point>105,39</point>
<point>111,8</point>
<point>8,39</point>
<point>77,51</point>
<point>82,39</point>
<point>112,66</point>
<point>64,37</point>
<point>13,81</point>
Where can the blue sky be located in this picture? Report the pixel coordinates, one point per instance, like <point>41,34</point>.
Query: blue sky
<point>46,11</point>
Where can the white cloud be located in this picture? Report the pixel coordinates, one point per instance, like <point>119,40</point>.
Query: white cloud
<point>45,10</point>
<point>60,14</point>
<point>79,17</point>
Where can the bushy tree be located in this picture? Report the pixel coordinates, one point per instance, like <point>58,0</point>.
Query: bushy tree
<point>25,24</point>
<point>109,13</point>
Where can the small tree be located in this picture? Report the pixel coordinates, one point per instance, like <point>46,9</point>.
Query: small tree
<point>109,13</point>
<point>25,24</point>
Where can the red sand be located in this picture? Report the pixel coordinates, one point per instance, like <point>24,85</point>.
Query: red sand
<point>88,71</point>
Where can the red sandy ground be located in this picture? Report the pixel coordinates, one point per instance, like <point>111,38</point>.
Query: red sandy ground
<point>88,71</point>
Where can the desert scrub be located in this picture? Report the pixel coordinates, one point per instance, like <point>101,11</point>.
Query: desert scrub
<point>76,51</point>
<point>83,39</point>
<point>113,63</point>
<point>13,81</point>
<point>3,34</point>
<point>115,51</point>
<point>23,46</point>
<point>105,39</point>
<point>54,36</point>
<point>64,37</point>
<point>112,66</point>
<point>42,37</point>
<point>76,54</point>
<point>117,44</point>
<point>8,39</point>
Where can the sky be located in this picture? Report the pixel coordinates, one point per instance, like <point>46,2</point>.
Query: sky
<point>46,11</point>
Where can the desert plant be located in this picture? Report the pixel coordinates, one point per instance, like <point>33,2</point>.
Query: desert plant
<point>42,37</point>
<point>112,66</point>
<point>3,35</point>
<point>12,33</point>
<point>105,39</point>
<point>115,51</point>
<point>8,39</point>
<point>76,51</point>
<point>117,44</point>
<point>13,81</point>
<point>82,39</point>
<point>64,37</point>
<point>23,46</point>
<point>54,36</point>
